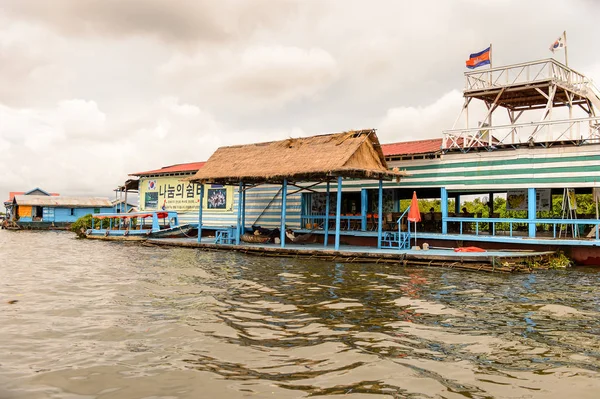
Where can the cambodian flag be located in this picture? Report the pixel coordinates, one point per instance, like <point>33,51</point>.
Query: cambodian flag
<point>479,59</point>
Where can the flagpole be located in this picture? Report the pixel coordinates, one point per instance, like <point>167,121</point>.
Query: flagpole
<point>566,58</point>
<point>491,56</point>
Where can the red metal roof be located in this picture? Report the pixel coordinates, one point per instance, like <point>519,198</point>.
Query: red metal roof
<point>412,147</point>
<point>182,167</point>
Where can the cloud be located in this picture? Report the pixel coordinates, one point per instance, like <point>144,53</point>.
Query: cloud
<point>181,21</point>
<point>91,90</point>
<point>407,123</point>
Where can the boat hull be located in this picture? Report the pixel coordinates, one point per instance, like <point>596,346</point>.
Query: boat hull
<point>174,232</point>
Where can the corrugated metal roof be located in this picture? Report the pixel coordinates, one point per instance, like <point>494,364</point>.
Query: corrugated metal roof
<point>182,167</point>
<point>412,147</point>
<point>67,202</point>
<point>12,194</point>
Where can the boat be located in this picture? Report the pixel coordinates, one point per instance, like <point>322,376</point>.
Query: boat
<point>137,226</point>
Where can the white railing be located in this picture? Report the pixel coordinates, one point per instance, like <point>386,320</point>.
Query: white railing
<point>528,72</point>
<point>575,130</point>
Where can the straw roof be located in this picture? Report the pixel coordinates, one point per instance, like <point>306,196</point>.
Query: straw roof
<point>353,154</point>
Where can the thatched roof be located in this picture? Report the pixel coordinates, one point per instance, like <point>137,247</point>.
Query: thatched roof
<point>353,154</point>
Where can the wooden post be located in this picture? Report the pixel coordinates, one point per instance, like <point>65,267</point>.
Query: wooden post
<point>239,215</point>
<point>200,211</point>
<point>444,201</point>
<point>283,212</point>
<point>326,226</point>
<point>380,213</point>
<point>531,211</point>
<point>338,211</point>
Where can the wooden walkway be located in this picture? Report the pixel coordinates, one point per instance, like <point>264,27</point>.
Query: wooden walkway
<point>491,261</point>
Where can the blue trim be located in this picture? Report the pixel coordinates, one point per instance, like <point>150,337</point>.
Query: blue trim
<point>380,213</point>
<point>243,205</point>
<point>200,212</point>
<point>239,215</point>
<point>338,212</point>
<point>364,198</point>
<point>283,212</point>
<point>531,210</point>
<point>326,225</point>
<point>444,201</point>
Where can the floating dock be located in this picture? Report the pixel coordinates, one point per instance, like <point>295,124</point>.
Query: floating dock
<point>490,261</point>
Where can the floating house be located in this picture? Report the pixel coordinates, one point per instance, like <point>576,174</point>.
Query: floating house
<point>538,140</point>
<point>47,211</point>
<point>8,204</point>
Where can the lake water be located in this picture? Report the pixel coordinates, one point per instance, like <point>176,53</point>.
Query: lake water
<point>112,320</point>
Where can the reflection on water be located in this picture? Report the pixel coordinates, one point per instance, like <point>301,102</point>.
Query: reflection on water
<point>112,320</point>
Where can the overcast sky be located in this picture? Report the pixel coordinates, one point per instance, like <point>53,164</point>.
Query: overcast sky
<point>91,90</point>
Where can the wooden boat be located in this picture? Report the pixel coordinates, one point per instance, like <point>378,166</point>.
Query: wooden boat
<point>137,226</point>
<point>174,231</point>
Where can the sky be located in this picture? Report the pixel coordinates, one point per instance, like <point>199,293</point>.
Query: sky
<point>92,90</point>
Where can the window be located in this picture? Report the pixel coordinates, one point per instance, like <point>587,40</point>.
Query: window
<point>72,211</point>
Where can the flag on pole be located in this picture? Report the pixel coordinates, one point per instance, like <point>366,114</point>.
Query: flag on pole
<point>479,59</point>
<point>559,43</point>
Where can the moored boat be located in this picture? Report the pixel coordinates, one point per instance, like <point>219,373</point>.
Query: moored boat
<point>137,226</point>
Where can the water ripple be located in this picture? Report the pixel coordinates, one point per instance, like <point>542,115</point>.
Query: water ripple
<point>113,320</point>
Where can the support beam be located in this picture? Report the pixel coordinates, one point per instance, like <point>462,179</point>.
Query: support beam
<point>380,213</point>
<point>326,226</point>
<point>364,202</point>
<point>457,205</point>
<point>283,211</point>
<point>338,212</point>
<point>243,208</point>
<point>200,212</point>
<point>239,215</point>
<point>531,210</point>
<point>444,201</point>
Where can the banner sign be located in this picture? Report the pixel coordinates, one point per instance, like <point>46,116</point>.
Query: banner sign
<point>176,194</point>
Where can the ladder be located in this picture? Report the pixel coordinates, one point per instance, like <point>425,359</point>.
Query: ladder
<point>569,211</point>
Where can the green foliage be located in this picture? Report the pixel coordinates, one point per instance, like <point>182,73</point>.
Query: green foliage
<point>85,222</point>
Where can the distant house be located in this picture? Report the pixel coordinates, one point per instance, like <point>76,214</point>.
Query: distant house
<point>8,204</point>
<point>47,211</point>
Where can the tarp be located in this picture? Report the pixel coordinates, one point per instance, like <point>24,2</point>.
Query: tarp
<point>160,215</point>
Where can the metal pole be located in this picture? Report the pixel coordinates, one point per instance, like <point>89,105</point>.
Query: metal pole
<point>243,209</point>
<point>566,57</point>
<point>380,213</point>
<point>326,227</point>
<point>531,211</point>
<point>364,198</point>
<point>283,211</point>
<point>444,201</point>
<point>338,211</point>
<point>239,215</point>
<point>201,201</point>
